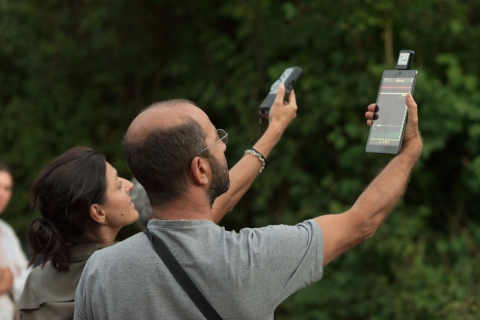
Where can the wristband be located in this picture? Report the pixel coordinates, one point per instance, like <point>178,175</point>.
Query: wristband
<point>259,156</point>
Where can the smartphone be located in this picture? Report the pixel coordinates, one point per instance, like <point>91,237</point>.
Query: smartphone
<point>386,132</point>
<point>289,77</point>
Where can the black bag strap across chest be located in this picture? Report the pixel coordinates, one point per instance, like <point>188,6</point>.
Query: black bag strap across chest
<point>182,277</point>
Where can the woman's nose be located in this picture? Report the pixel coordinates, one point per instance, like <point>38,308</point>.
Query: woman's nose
<point>128,186</point>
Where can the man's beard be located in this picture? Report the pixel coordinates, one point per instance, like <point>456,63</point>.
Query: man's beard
<point>220,178</point>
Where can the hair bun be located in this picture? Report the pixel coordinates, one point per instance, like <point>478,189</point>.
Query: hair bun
<point>44,239</point>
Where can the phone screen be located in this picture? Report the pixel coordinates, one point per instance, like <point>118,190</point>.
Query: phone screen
<point>386,133</point>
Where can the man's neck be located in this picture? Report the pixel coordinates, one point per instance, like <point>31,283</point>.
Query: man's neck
<point>182,209</point>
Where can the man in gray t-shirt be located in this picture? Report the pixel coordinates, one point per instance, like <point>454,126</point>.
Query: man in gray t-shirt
<point>245,275</point>
<point>177,154</point>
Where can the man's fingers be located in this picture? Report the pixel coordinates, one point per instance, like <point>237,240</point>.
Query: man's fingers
<point>280,93</point>
<point>372,108</point>
<point>291,98</point>
<point>371,115</point>
<point>412,108</point>
<point>411,131</point>
<point>263,115</point>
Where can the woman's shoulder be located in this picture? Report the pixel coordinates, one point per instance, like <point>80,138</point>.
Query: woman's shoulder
<point>40,301</point>
<point>5,227</point>
<point>45,284</point>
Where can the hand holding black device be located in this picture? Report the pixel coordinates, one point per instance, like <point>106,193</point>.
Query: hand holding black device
<point>289,77</point>
<point>388,128</point>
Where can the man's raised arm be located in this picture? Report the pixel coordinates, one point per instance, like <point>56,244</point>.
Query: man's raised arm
<point>343,231</point>
<point>244,172</point>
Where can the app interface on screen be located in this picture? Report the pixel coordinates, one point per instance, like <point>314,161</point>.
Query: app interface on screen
<point>387,130</point>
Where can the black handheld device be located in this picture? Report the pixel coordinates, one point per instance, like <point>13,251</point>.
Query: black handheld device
<point>386,132</point>
<point>289,77</point>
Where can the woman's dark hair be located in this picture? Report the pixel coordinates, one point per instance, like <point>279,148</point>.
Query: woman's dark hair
<point>63,193</point>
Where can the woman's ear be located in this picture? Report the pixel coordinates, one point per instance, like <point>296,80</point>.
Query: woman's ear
<point>199,169</point>
<point>97,214</point>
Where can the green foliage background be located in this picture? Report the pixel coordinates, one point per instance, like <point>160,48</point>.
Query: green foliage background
<point>77,72</point>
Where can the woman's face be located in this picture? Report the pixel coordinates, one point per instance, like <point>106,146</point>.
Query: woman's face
<point>119,209</point>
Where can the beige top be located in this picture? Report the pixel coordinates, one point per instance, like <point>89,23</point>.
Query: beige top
<point>50,294</point>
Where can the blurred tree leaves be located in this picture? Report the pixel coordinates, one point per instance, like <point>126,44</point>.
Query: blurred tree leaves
<point>77,72</point>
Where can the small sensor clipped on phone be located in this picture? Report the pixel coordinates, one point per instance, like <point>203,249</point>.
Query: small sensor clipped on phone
<point>405,59</point>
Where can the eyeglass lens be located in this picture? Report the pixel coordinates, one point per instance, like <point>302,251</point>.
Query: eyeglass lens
<point>222,135</point>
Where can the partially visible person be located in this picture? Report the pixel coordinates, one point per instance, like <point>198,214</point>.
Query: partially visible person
<point>140,199</point>
<point>84,204</point>
<point>7,306</point>
<point>13,263</point>
<point>80,200</point>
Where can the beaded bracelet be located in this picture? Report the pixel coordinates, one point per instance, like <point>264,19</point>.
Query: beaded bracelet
<point>259,156</point>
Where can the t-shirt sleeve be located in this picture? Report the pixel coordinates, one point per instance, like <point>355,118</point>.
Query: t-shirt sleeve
<point>288,258</point>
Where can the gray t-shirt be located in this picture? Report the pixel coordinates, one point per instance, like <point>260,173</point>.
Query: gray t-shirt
<point>243,275</point>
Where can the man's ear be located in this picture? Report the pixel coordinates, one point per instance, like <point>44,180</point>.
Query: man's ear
<point>97,214</point>
<point>199,169</point>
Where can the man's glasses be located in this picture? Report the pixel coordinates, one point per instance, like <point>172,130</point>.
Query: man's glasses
<point>224,138</point>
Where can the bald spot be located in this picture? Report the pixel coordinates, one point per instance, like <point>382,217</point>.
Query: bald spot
<point>164,115</point>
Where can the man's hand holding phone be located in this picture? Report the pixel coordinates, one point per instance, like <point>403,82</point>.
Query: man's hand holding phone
<point>246,170</point>
<point>281,113</point>
<point>412,134</point>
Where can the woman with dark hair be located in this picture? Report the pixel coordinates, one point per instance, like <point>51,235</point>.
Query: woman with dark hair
<point>83,204</point>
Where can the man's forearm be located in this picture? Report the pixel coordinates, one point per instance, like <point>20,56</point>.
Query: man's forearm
<point>247,169</point>
<point>244,172</point>
<point>344,231</point>
<point>382,194</point>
